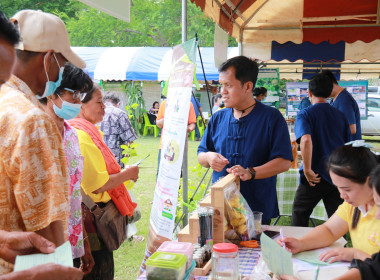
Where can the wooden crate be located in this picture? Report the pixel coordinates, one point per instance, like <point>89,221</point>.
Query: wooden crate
<point>216,200</point>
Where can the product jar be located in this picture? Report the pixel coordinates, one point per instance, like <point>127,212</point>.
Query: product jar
<point>225,262</point>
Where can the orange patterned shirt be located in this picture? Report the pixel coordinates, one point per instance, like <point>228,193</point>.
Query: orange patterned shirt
<point>34,180</point>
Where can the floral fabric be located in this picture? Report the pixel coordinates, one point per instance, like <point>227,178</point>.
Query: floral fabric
<point>75,163</point>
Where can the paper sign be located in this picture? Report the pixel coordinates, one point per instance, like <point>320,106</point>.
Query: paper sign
<point>220,45</point>
<point>62,255</point>
<point>278,260</point>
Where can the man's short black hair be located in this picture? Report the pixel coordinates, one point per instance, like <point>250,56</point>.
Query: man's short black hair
<point>259,91</point>
<point>111,97</point>
<point>217,96</point>
<point>321,85</point>
<point>330,74</point>
<point>8,30</point>
<point>246,70</point>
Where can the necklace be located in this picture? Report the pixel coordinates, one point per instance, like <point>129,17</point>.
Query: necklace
<point>243,111</point>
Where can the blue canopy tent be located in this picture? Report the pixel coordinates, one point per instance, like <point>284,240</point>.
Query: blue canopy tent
<point>141,63</point>
<point>295,61</point>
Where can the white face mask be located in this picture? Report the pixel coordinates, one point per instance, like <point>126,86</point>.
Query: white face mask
<point>51,86</point>
<point>68,110</point>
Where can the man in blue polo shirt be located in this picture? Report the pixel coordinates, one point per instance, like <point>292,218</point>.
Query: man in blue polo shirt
<point>319,129</point>
<point>248,138</point>
<point>343,101</point>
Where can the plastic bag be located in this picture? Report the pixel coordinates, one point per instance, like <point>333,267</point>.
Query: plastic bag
<point>137,213</point>
<point>239,213</point>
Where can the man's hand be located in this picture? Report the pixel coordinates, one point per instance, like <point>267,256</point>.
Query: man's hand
<point>312,177</point>
<point>54,271</point>
<point>14,243</point>
<point>216,161</point>
<point>238,170</point>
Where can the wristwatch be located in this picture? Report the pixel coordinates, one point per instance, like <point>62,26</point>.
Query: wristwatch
<point>253,173</point>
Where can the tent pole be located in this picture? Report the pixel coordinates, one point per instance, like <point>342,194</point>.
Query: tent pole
<point>184,162</point>
<point>204,75</point>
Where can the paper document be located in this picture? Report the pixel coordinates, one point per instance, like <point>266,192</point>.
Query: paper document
<point>62,255</point>
<point>311,257</point>
<point>278,260</point>
<point>308,260</point>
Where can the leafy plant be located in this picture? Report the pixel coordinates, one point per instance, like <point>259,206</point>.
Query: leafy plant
<point>128,152</point>
<point>192,186</point>
<point>136,103</point>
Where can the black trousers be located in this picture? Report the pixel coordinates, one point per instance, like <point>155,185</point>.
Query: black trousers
<point>307,198</point>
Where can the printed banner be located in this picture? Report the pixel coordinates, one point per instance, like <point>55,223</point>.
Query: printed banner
<point>220,45</point>
<point>174,135</point>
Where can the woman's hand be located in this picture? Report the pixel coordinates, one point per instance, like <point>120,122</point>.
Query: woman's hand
<point>293,245</point>
<point>132,173</point>
<point>342,254</point>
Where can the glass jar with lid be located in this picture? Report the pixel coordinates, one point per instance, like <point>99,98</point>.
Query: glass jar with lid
<point>225,262</point>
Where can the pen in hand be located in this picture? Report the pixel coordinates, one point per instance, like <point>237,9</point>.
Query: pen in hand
<point>282,237</point>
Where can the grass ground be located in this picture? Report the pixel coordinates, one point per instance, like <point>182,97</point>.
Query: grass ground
<point>129,256</point>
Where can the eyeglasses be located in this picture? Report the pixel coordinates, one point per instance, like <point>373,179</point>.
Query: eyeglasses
<point>77,94</point>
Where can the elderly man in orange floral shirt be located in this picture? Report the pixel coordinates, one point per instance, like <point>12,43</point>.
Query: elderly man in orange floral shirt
<point>34,180</point>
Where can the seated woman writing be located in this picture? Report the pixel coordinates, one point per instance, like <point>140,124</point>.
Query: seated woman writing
<point>349,168</point>
<point>369,269</point>
<point>102,178</point>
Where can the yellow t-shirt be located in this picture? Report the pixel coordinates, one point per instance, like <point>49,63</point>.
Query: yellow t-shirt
<point>95,173</point>
<point>366,235</point>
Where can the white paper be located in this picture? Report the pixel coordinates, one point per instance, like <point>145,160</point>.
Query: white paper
<point>62,255</point>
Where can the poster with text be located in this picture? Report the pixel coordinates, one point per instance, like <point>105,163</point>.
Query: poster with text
<point>174,135</point>
<point>296,92</point>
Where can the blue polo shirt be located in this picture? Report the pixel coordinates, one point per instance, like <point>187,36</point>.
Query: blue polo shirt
<point>251,141</point>
<point>196,105</point>
<point>329,130</point>
<point>349,107</point>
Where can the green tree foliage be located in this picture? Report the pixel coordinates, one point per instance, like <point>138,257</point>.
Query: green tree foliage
<point>153,23</point>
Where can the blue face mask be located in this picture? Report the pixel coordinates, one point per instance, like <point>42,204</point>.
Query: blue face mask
<point>51,86</point>
<point>68,110</point>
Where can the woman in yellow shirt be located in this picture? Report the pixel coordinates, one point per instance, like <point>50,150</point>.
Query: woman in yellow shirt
<point>98,182</point>
<point>349,167</point>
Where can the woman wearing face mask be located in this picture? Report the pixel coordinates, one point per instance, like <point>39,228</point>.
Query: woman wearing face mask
<point>64,105</point>
<point>349,168</point>
<point>103,178</point>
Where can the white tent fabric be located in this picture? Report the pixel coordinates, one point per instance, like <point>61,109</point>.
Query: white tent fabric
<point>118,8</point>
<point>141,63</point>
